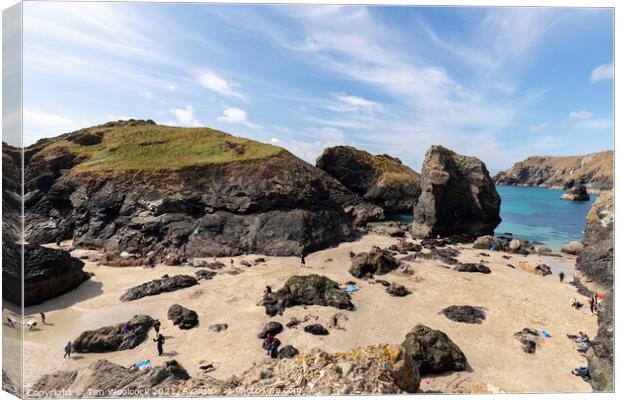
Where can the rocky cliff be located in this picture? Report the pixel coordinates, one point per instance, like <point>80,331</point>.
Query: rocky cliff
<point>458,196</point>
<point>380,179</point>
<point>596,262</point>
<point>140,187</point>
<point>595,171</point>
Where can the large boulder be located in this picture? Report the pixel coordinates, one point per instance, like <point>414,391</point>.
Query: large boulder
<point>136,194</point>
<point>381,179</point>
<point>272,328</point>
<point>47,273</point>
<point>458,196</point>
<point>486,242</point>
<point>376,261</point>
<point>433,351</point>
<point>465,314</point>
<point>313,290</point>
<point>472,267</point>
<point>183,317</point>
<point>573,247</point>
<point>577,193</point>
<point>115,337</point>
<point>106,379</point>
<point>157,286</point>
<point>535,268</point>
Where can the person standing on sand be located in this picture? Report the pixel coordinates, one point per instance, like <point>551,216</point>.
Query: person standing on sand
<point>303,260</point>
<point>43,319</point>
<point>160,343</point>
<point>232,263</point>
<point>67,350</point>
<point>561,277</point>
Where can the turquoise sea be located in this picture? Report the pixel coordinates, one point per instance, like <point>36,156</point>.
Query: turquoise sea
<point>539,214</point>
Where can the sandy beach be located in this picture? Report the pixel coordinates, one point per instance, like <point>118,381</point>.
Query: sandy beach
<point>512,299</point>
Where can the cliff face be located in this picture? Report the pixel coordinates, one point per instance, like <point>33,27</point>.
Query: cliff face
<point>136,186</point>
<point>380,179</point>
<point>596,262</point>
<point>594,171</point>
<point>458,196</point>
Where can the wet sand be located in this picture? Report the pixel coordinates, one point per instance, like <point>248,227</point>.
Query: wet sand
<point>513,299</point>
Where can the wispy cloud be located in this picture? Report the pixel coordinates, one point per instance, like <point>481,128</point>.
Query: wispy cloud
<point>582,114</point>
<point>540,127</point>
<point>596,124</point>
<point>310,150</point>
<point>217,83</point>
<point>602,72</point>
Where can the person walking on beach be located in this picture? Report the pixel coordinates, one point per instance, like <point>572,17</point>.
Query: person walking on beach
<point>232,262</point>
<point>43,319</point>
<point>591,302</point>
<point>160,343</point>
<point>67,350</point>
<point>561,277</point>
<point>269,343</point>
<point>303,260</point>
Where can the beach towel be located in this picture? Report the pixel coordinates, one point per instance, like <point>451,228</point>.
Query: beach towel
<point>350,288</point>
<point>143,364</point>
<point>546,334</point>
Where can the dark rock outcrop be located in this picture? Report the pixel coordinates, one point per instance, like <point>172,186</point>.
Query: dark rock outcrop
<point>433,351</point>
<point>595,171</point>
<point>528,338</point>
<point>458,196</point>
<point>577,193</point>
<point>397,290</point>
<point>115,337</point>
<point>316,329</point>
<point>313,290</point>
<point>157,286</point>
<point>47,273</point>
<point>596,262</point>
<point>204,274</point>
<point>183,317</point>
<point>382,180</point>
<point>106,379</point>
<point>264,200</point>
<point>466,314</point>
<point>573,247</point>
<point>377,261</point>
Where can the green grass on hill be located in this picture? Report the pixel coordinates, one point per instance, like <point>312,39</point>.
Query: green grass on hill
<point>127,146</point>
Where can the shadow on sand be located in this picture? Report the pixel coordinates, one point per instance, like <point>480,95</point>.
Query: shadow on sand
<point>85,291</point>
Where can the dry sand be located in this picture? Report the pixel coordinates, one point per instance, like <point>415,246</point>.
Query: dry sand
<point>513,299</point>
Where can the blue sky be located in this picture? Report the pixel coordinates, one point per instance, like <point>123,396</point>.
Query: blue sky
<point>498,83</point>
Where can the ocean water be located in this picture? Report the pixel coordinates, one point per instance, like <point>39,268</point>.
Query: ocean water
<point>538,214</point>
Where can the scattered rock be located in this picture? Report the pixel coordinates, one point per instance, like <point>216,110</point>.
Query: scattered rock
<point>114,337</point>
<point>204,274</point>
<point>535,268</point>
<point>506,257</point>
<point>485,242</point>
<point>466,314</point>
<point>457,196</point>
<point>397,290</point>
<point>316,329</point>
<point>528,338</point>
<point>215,265</point>
<point>336,320</point>
<point>544,251</point>
<point>377,261</point>
<point>293,322</point>
<point>313,290</point>
<point>173,259</point>
<point>259,260</point>
<point>157,286</point>
<point>245,263</point>
<point>270,327</point>
<point>395,232</point>
<point>183,317</point>
<point>472,267</point>
<point>288,351</point>
<point>433,351</point>
<point>125,259</point>
<point>217,327</point>
<point>573,247</point>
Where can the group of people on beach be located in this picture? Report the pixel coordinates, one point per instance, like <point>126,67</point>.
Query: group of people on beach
<point>31,323</point>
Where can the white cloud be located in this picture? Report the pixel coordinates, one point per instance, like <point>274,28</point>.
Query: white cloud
<point>171,88</point>
<point>184,117</point>
<point>348,103</point>
<point>582,114</point>
<point>310,150</point>
<point>540,127</point>
<point>38,125</point>
<point>234,115</point>
<point>216,83</point>
<point>602,72</point>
